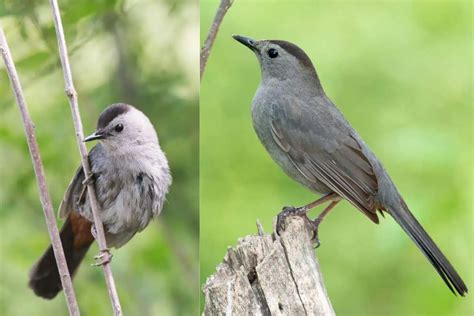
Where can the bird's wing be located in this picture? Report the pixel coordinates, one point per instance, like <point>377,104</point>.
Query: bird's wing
<point>76,192</point>
<point>322,146</point>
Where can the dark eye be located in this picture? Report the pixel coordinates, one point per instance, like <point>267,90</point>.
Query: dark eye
<point>272,53</point>
<point>118,128</point>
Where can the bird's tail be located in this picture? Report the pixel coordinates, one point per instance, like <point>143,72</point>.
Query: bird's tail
<point>413,228</point>
<point>44,276</point>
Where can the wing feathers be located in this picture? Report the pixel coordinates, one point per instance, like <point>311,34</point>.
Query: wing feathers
<point>340,165</point>
<point>74,193</point>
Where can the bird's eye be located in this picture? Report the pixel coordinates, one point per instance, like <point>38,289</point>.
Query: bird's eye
<point>118,128</point>
<point>272,53</point>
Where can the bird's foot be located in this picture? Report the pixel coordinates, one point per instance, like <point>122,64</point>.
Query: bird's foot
<point>89,179</point>
<point>104,257</point>
<point>285,213</point>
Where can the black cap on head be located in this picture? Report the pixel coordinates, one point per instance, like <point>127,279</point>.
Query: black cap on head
<point>295,51</point>
<point>111,113</point>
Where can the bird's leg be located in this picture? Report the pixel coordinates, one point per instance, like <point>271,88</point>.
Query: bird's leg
<point>301,211</point>
<point>104,256</point>
<point>315,223</point>
<point>88,179</point>
<point>324,199</point>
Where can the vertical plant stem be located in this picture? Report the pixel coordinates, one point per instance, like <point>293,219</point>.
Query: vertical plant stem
<point>40,177</point>
<point>72,96</point>
<point>211,36</point>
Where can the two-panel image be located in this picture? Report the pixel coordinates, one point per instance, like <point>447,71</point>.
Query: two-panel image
<point>236,157</point>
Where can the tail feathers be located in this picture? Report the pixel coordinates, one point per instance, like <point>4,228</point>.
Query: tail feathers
<point>44,276</point>
<point>413,228</point>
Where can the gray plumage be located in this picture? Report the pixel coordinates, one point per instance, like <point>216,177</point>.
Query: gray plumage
<point>130,172</point>
<point>309,138</point>
<point>131,177</point>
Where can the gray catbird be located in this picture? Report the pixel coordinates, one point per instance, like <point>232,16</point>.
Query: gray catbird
<point>309,138</point>
<point>131,178</point>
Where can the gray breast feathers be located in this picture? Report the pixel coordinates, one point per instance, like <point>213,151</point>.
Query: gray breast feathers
<point>130,195</point>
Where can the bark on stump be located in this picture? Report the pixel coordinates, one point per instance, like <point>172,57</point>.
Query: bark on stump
<point>269,275</point>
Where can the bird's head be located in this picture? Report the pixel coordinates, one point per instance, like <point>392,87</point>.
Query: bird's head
<point>122,126</point>
<point>280,60</point>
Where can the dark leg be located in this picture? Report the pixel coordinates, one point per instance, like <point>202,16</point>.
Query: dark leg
<point>319,219</point>
<point>301,211</point>
<point>324,199</point>
<point>88,179</point>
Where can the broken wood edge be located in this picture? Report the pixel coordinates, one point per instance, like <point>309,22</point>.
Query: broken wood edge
<point>268,274</point>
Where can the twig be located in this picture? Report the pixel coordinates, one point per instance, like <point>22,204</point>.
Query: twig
<point>40,177</point>
<point>49,66</point>
<point>72,96</point>
<point>211,37</point>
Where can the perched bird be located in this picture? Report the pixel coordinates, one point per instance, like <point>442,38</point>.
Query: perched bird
<point>309,138</point>
<point>131,178</point>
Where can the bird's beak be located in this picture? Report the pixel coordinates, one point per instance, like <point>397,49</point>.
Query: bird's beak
<point>99,134</point>
<point>247,41</point>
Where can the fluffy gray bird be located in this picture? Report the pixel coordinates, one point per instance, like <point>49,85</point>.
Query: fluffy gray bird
<point>131,177</point>
<point>309,138</point>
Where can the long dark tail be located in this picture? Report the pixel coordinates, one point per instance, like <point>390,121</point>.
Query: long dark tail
<point>413,228</point>
<point>44,276</point>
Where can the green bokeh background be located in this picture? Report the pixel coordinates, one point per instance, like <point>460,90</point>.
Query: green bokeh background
<point>401,72</point>
<point>144,52</point>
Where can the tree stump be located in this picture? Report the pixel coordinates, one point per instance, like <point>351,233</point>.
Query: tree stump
<point>267,274</point>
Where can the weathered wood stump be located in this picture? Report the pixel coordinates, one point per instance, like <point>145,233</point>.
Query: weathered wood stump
<point>267,274</point>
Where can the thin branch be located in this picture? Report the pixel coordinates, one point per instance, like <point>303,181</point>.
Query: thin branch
<point>72,96</point>
<point>40,177</point>
<point>49,66</point>
<point>211,37</point>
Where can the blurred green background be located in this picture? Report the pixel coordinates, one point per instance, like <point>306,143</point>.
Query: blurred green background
<point>144,52</point>
<point>401,72</point>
